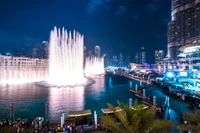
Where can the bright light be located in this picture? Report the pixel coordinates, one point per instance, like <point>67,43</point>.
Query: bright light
<point>143,70</point>
<point>184,74</point>
<point>18,81</point>
<point>170,74</point>
<point>94,66</point>
<point>65,97</point>
<point>70,79</point>
<point>65,58</point>
<point>20,70</point>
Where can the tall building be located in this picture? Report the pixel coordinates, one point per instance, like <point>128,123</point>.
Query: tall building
<point>97,51</point>
<point>106,60</point>
<point>45,50</point>
<point>136,58</point>
<point>121,62</point>
<point>115,61</point>
<point>128,60</point>
<point>142,56</point>
<point>159,54</point>
<point>35,53</point>
<point>184,28</point>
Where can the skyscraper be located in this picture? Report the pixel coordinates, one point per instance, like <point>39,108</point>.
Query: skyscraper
<point>128,60</point>
<point>136,58</point>
<point>114,61</point>
<point>97,51</point>
<point>106,60</point>
<point>184,28</point>
<point>159,54</point>
<point>121,63</point>
<point>142,56</point>
<point>35,53</point>
<point>45,49</point>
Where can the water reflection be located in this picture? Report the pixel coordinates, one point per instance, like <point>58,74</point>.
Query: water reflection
<point>65,99</point>
<point>29,99</point>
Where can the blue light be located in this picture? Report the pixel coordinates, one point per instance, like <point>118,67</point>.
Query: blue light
<point>170,74</point>
<point>183,74</point>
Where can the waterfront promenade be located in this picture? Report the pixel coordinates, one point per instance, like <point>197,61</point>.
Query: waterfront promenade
<point>132,77</point>
<point>114,86</point>
<point>175,105</point>
<point>161,92</point>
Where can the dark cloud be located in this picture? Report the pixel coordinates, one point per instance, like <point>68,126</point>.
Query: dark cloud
<point>93,5</point>
<point>121,10</point>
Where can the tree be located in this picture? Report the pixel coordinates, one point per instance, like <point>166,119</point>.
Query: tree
<point>134,120</point>
<point>193,122</point>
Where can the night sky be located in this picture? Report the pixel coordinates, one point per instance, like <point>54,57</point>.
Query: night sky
<point>115,25</point>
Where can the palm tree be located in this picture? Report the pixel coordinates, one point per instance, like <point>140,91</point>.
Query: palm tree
<point>193,122</point>
<point>134,120</point>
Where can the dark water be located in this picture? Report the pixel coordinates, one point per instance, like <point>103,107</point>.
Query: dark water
<point>29,99</point>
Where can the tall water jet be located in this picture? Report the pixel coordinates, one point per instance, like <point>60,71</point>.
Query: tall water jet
<point>65,58</point>
<point>94,66</point>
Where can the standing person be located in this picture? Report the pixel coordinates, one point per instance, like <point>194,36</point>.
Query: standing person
<point>81,128</point>
<point>70,128</point>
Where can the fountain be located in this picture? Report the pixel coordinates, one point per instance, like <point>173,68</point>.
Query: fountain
<point>94,66</point>
<point>63,68</point>
<point>18,70</point>
<point>65,58</point>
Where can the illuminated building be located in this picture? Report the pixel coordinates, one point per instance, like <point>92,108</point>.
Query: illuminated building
<point>189,57</point>
<point>15,70</point>
<point>184,28</point>
<point>114,61</point>
<point>159,54</point>
<point>97,51</point>
<point>107,61</point>
<point>45,47</point>
<point>142,56</point>
<point>121,63</point>
<point>136,58</point>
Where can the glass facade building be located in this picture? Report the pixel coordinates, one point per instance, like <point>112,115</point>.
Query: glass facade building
<point>184,28</point>
<point>142,55</point>
<point>189,57</point>
<point>159,54</point>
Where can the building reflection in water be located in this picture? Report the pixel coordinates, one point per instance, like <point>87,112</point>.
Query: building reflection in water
<point>64,100</point>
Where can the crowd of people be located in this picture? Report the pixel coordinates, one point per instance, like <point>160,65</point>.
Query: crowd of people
<point>18,125</point>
